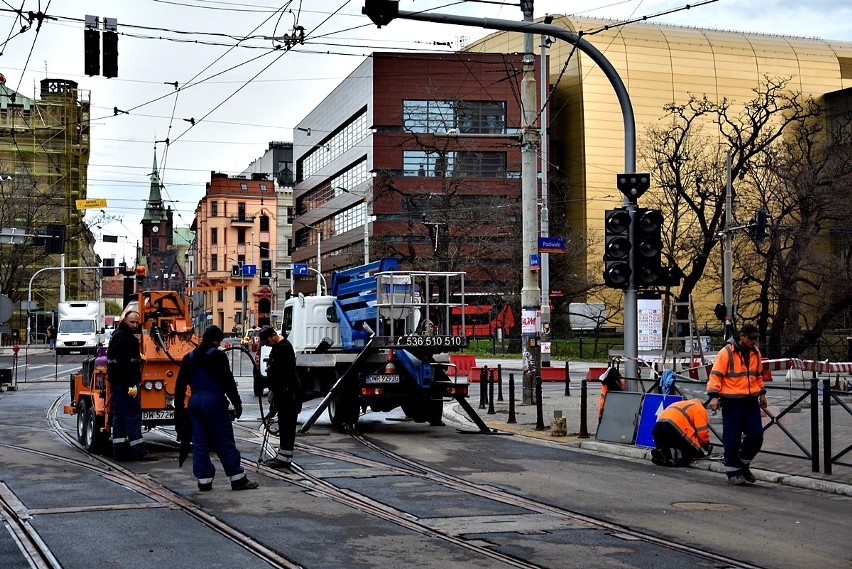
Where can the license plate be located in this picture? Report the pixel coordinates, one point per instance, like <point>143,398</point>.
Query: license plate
<point>160,415</point>
<point>382,378</point>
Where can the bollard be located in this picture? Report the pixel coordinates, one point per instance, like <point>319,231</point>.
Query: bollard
<point>483,395</point>
<point>511,398</point>
<point>499,382</point>
<point>584,430</point>
<point>567,381</point>
<point>826,426</point>
<point>814,424</point>
<point>491,393</point>
<point>539,419</point>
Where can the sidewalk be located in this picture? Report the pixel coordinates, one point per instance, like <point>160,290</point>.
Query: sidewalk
<point>767,467</point>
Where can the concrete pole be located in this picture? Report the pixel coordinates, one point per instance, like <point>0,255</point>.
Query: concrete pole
<point>545,215</point>
<point>728,253</point>
<point>530,292</point>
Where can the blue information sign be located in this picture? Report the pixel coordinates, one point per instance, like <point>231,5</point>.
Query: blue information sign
<point>300,269</point>
<point>535,262</point>
<point>551,245</point>
<point>249,270</point>
<point>652,406</point>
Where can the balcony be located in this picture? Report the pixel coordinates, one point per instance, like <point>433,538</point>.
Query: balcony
<point>242,220</point>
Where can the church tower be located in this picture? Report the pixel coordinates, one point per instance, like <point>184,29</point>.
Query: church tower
<point>158,250</point>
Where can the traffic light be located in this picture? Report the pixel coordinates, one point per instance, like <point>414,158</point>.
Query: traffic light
<point>54,241</point>
<point>757,229</point>
<point>110,54</point>
<point>647,248</point>
<point>617,248</point>
<point>92,51</point>
<point>266,268</point>
<point>236,271</point>
<point>381,12</point>
<point>108,268</point>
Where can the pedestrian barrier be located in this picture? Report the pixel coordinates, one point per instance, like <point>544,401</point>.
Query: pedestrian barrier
<point>595,373</point>
<point>464,362</point>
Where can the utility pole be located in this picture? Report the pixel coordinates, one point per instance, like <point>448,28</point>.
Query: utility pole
<point>728,253</point>
<point>545,214</point>
<point>530,291</point>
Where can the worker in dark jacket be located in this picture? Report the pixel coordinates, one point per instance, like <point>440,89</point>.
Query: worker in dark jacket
<point>284,393</point>
<point>681,434</point>
<point>124,373</point>
<point>207,373</point>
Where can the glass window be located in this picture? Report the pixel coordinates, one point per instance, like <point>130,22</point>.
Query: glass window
<point>264,223</point>
<point>214,262</point>
<point>214,235</point>
<point>214,209</point>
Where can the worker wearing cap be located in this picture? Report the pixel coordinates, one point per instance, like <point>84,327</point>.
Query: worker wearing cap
<point>736,385</point>
<point>284,391</point>
<point>124,373</point>
<point>207,373</point>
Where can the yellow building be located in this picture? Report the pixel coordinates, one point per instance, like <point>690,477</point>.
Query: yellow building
<point>658,64</point>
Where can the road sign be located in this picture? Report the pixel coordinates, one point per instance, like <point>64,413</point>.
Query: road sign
<point>551,245</point>
<point>652,406</point>
<point>535,262</point>
<point>91,204</point>
<point>300,269</point>
<point>12,235</point>
<point>249,270</point>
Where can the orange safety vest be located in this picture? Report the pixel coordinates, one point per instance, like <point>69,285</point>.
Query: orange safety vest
<point>690,419</point>
<point>731,377</point>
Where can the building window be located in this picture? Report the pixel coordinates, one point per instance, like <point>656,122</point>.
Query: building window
<point>214,236</point>
<point>214,262</point>
<point>241,235</point>
<point>220,297</point>
<point>244,187</point>
<point>264,223</point>
<point>289,247</point>
<point>469,117</point>
<point>238,293</point>
<point>241,211</point>
<point>214,209</point>
<point>263,187</point>
<point>155,245</point>
<point>467,164</point>
<point>264,250</point>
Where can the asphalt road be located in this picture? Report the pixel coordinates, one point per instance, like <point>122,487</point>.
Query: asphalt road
<point>421,496</point>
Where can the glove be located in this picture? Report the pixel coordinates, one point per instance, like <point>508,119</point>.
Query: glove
<point>238,410</point>
<point>132,391</point>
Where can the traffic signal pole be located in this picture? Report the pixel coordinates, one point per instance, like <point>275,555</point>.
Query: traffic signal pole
<point>382,12</point>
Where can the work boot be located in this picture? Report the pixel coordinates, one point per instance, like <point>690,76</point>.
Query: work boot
<point>736,480</point>
<point>657,457</point>
<point>205,486</point>
<point>747,475</point>
<point>278,464</point>
<point>244,484</point>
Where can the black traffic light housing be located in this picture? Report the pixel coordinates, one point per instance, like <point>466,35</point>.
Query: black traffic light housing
<point>92,51</point>
<point>54,241</point>
<point>617,248</point>
<point>110,54</point>
<point>266,269</point>
<point>108,268</point>
<point>757,228</point>
<point>381,12</point>
<point>236,271</point>
<point>633,185</point>
<point>647,248</point>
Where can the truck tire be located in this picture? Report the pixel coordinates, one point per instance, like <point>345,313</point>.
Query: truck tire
<point>343,411</point>
<point>82,410</point>
<point>424,411</point>
<point>95,440</point>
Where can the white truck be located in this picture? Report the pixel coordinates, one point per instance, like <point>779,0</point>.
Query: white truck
<point>81,327</point>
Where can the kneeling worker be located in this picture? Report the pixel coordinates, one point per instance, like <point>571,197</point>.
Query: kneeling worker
<point>681,434</point>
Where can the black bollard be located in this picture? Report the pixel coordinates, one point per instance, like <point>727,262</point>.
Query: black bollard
<point>500,382</point>
<point>483,395</point>
<point>567,381</point>
<point>584,430</point>
<point>511,398</point>
<point>539,418</point>
<point>491,393</point>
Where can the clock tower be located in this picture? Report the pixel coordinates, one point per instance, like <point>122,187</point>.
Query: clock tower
<point>158,250</point>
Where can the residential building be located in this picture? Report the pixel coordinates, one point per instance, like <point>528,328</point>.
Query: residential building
<point>415,156</point>
<point>235,241</point>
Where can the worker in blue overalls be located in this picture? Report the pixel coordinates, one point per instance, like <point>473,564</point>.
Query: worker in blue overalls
<point>207,372</point>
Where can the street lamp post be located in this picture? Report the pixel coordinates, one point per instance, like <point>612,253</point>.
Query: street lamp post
<point>319,253</point>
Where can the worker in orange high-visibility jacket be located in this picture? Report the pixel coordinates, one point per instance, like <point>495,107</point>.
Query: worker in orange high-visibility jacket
<point>611,380</point>
<point>736,385</point>
<point>681,434</point>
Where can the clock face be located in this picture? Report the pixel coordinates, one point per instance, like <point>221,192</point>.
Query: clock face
<point>155,229</point>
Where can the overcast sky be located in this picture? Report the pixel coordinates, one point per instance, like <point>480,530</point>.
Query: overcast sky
<point>243,97</point>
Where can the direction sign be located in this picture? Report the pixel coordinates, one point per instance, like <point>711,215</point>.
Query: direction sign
<point>300,269</point>
<point>249,270</point>
<point>91,204</point>
<point>551,244</point>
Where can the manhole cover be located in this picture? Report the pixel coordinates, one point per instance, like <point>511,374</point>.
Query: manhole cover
<point>715,506</point>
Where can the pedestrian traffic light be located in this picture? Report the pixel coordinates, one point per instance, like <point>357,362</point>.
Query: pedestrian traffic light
<point>110,54</point>
<point>54,241</point>
<point>647,247</point>
<point>266,268</point>
<point>617,248</point>
<point>92,51</point>
<point>236,271</point>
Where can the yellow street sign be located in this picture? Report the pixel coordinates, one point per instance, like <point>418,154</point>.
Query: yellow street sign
<point>92,203</point>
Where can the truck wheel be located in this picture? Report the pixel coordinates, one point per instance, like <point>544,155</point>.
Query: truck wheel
<point>343,411</point>
<point>82,412</point>
<point>424,411</point>
<point>94,438</point>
